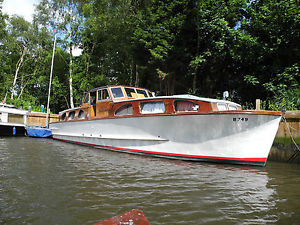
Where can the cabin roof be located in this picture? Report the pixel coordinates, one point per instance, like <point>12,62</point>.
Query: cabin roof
<point>186,97</point>
<point>111,86</point>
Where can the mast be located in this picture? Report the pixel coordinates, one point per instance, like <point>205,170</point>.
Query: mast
<point>50,81</point>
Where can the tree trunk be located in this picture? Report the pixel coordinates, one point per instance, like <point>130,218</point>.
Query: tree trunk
<point>195,82</point>
<point>131,73</point>
<point>136,76</point>
<point>18,65</point>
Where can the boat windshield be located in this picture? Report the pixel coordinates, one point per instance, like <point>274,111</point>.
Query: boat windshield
<point>136,93</point>
<point>117,92</point>
<point>130,92</point>
<point>141,93</point>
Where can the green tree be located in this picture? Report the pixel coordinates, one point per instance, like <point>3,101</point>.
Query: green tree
<point>271,56</point>
<point>108,41</point>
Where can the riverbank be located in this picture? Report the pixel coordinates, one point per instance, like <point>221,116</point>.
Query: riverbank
<point>284,148</point>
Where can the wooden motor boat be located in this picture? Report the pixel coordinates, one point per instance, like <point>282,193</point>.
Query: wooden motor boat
<point>132,120</point>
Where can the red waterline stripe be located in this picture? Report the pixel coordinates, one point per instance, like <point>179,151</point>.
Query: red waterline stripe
<point>167,154</point>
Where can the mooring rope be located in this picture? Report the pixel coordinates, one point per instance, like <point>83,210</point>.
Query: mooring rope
<point>294,129</point>
<point>293,140</point>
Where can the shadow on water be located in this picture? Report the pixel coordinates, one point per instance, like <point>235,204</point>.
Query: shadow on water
<point>43,180</point>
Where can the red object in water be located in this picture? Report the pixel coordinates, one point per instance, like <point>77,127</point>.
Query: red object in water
<point>133,217</point>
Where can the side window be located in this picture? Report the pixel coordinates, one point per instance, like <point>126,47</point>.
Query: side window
<point>141,93</point>
<point>152,107</point>
<point>130,93</point>
<point>117,92</point>
<point>124,110</point>
<point>103,94</point>
<point>185,106</point>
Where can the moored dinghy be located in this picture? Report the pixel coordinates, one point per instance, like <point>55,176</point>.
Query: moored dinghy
<point>38,131</point>
<point>132,120</point>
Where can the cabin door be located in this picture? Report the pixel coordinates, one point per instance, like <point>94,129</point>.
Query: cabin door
<point>104,103</point>
<point>103,108</point>
<point>93,103</point>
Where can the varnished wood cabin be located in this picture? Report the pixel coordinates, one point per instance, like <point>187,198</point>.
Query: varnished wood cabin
<point>126,101</point>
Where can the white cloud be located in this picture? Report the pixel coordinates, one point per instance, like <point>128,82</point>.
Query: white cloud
<point>24,8</point>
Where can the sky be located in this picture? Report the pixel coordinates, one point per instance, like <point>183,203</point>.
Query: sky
<point>24,8</point>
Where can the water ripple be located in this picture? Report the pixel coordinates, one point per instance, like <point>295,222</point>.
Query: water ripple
<point>46,180</point>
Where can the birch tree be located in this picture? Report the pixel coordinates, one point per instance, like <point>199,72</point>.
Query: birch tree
<point>63,16</point>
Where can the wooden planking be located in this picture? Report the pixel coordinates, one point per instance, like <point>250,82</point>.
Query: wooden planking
<point>39,119</point>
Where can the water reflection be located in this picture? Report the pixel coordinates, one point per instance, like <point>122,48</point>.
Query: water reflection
<point>46,180</point>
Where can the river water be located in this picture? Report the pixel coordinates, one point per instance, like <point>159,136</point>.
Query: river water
<point>43,181</point>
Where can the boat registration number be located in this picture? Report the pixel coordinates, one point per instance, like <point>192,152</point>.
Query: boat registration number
<point>238,119</point>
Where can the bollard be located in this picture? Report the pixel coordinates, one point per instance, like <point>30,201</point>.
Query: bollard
<point>257,104</point>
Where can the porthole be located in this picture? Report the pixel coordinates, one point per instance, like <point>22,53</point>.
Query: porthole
<point>222,106</point>
<point>63,117</point>
<point>81,115</point>
<point>124,110</point>
<point>232,107</point>
<point>71,115</point>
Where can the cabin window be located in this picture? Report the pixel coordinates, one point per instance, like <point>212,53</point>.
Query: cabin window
<point>152,107</point>
<point>103,94</point>
<point>185,106</point>
<point>222,106</point>
<point>117,92</point>
<point>124,110</point>
<point>63,117</point>
<point>141,93</point>
<point>130,93</point>
<point>71,115</point>
<point>86,99</point>
<point>81,115</point>
<point>232,107</point>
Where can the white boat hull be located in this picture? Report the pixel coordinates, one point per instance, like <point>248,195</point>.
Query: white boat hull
<point>234,138</point>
